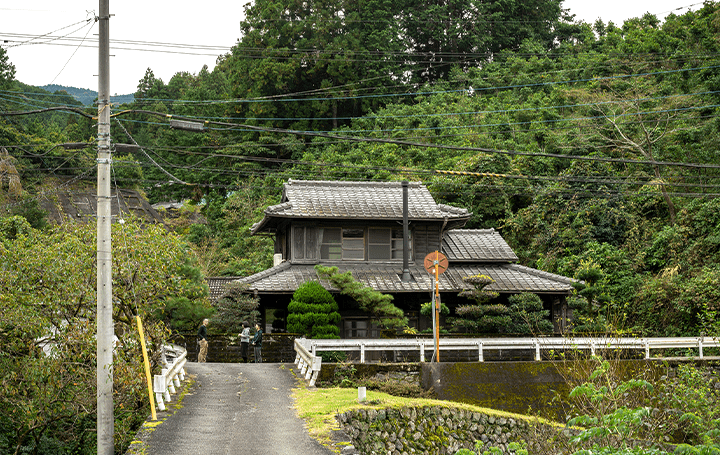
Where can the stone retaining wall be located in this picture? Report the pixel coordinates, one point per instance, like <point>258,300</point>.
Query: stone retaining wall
<point>429,430</point>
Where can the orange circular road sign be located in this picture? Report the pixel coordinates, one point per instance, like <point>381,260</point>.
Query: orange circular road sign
<point>436,258</point>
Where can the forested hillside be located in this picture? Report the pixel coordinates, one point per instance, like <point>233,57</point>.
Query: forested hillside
<point>592,148</point>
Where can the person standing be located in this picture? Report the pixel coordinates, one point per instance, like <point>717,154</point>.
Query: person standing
<point>257,342</point>
<point>202,341</point>
<point>244,341</point>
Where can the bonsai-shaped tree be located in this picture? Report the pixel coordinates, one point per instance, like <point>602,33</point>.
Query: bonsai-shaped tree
<point>480,318</point>
<point>233,308</point>
<point>528,315</point>
<point>589,304</point>
<point>377,304</point>
<point>313,312</point>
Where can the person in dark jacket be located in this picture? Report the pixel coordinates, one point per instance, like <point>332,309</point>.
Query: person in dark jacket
<point>244,341</point>
<point>257,342</point>
<point>202,341</point>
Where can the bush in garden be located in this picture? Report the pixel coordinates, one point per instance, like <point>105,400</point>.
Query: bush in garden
<point>528,315</point>
<point>479,318</point>
<point>379,305</point>
<point>234,307</point>
<point>313,312</point>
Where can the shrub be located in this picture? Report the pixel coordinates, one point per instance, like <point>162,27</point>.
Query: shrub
<point>313,312</point>
<point>528,315</point>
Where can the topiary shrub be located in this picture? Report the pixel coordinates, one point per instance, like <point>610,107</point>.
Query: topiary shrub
<point>313,312</point>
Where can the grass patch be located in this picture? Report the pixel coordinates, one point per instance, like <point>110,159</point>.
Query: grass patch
<point>319,406</point>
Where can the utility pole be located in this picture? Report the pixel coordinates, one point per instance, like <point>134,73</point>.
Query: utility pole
<point>105,331</point>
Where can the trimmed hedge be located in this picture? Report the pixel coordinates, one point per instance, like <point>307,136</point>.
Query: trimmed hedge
<point>313,312</point>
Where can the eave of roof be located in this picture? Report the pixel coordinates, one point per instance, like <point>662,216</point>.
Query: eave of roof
<point>509,278</point>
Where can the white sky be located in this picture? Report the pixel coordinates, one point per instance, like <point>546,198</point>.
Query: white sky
<point>206,29</point>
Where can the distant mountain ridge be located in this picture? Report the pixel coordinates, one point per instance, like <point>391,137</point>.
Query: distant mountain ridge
<point>87,96</point>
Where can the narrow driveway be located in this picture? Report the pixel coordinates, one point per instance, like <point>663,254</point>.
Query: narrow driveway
<point>235,409</point>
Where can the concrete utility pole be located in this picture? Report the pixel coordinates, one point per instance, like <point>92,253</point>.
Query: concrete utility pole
<point>105,332</point>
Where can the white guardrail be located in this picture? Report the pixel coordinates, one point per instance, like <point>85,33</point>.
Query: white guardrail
<point>308,363</point>
<point>173,359</point>
<point>483,344</point>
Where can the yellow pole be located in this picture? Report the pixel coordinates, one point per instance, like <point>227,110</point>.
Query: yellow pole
<point>147,368</point>
<point>437,307</point>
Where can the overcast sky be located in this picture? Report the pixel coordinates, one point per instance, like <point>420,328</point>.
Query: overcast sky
<point>169,37</point>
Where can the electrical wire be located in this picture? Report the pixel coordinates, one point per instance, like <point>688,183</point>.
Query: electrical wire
<point>73,54</point>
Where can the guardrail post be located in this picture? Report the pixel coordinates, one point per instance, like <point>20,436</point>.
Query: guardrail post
<point>317,364</point>
<point>480,352</point>
<point>647,349</point>
<point>700,346</point>
<point>592,348</point>
<point>362,352</point>
<point>422,351</point>
<point>168,383</point>
<point>159,389</point>
<point>537,350</point>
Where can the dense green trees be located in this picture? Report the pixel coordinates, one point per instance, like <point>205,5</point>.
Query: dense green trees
<point>7,70</point>
<point>584,144</point>
<point>591,147</point>
<point>341,57</point>
<point>48,303</point>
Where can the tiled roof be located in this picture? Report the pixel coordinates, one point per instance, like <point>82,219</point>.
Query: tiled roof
<point>509,278</point>
<point>476,245</point>
<point>218,285</point>
<point>81,206</point>
<point>357,200</point>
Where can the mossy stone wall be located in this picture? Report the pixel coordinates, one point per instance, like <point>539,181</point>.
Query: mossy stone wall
<point>429,430</point>
<point>530,388</point>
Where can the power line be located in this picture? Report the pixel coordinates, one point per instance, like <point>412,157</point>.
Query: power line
<point>71,57</point>
<point>32,38</point>
<point>463,90</point>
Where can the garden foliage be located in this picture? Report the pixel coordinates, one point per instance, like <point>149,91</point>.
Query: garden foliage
<point>313,312</point>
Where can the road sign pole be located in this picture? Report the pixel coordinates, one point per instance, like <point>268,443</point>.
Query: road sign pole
<point>437,311</point>
<point>434,320</point>
<point>435,264</point>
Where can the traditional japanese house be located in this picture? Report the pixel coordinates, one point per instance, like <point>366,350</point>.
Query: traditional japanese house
<point>358,227</point>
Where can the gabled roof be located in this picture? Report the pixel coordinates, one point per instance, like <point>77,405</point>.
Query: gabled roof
<point>509,278</point>
<point>356,200</point>
<point>476,245</point>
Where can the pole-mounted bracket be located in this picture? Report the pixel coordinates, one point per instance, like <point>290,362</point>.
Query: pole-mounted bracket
<point>104,160</point>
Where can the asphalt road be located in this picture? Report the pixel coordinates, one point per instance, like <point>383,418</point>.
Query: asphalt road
<point>235,409</point>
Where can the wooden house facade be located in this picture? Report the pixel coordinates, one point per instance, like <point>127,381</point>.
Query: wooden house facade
<point>358,227</point>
